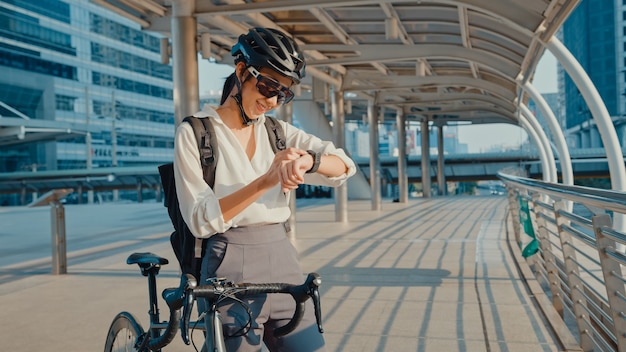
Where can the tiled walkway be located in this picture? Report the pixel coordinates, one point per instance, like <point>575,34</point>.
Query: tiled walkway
<point>430,275</point>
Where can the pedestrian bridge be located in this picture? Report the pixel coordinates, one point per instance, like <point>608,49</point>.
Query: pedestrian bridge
<point>441,63</point>
<point>434,273</point>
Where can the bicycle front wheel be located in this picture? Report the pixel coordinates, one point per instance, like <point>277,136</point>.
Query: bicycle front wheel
<point>123,334</point>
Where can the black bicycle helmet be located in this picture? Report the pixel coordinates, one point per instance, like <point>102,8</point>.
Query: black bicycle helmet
<point>267,47</point>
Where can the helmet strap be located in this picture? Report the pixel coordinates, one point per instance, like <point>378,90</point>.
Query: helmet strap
<point>247,121</point>
<point>244,117</point>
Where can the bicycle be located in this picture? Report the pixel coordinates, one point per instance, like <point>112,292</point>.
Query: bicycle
<point>127,334</point>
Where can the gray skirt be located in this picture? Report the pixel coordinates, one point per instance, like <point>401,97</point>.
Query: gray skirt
<point>254,254</point>
<point>260,254</point>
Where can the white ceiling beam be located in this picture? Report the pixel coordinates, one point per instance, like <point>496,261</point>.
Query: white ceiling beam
<point>363,54</point>
<point>393,83</point>
<point>143,23</point>
<point>344,37</point>
<point>465,37</point>
<point>237,29</point>
<point>151,6</point>
<point>436,98</point>
<point>284,5</point>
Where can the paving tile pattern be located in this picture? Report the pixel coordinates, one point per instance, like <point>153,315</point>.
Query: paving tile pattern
<point>431,275</point>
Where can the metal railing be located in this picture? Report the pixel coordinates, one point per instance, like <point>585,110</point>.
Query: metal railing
<point>570,243</point>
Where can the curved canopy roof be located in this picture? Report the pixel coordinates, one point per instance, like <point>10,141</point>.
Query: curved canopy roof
<point>444,60</point>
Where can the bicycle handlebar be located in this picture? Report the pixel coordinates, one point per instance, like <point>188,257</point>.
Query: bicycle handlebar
<point>188,290</point>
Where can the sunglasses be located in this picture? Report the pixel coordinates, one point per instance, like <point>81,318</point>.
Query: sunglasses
<point>270,87</point>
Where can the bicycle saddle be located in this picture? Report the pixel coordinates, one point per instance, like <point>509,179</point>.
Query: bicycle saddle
<point>146,258</point>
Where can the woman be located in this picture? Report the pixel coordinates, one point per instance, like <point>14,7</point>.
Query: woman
<point>243,214</point>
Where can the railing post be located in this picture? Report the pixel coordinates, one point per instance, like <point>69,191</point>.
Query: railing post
<point>543,236</point>
<point>532,260</point>
<point>57,227</point>
<point>613,283</point>
<point>573,281</point>
<point>513,197</point>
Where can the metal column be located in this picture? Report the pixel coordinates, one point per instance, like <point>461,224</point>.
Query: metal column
<point>372,119</point>
<point>184,60</point>
<point>425,159</point>
<point>113,131</point>
<point>341,192</point>
<point>441,173</point>
<point>403,175</point>
<point>88,141</point>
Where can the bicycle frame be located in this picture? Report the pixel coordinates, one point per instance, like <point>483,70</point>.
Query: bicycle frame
<point>126,332</point>
<point>214,342</point>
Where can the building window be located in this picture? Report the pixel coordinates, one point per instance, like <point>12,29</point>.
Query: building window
<point>116,58</point>
<point>35,64</point>
<point>55,9</point>
<point>27,29</point>
<point>64,102</point>
<point>114,30</point>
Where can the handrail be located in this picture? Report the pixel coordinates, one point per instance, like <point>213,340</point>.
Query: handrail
<point>600,198</point>
<point>579,256</point>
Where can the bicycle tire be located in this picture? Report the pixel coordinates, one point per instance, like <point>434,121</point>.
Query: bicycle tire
<point>123,333</point>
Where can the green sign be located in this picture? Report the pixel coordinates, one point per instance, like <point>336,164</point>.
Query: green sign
<point>524,217</point>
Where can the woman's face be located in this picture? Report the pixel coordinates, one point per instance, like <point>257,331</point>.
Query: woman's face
<point>254,90</point>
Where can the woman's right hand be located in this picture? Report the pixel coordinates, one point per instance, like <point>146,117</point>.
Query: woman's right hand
<point>285,170</point>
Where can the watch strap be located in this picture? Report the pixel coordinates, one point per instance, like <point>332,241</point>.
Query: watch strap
<point>317,158</point>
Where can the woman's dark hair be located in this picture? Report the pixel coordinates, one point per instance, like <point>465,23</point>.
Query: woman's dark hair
<point>228,86</point>
<point>230,82</point>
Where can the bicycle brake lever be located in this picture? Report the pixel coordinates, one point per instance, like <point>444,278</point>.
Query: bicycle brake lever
<point>314,293</point>
<point>187,309</point>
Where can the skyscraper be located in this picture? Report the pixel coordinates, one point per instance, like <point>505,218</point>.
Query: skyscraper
<point>72,61</point>
<point>594,34</point>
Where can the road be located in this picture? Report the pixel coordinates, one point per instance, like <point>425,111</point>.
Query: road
<point>91,230</point>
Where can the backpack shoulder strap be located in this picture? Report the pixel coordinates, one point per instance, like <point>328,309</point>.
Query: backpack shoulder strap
<point>276,134</point>
<point>207,144</point>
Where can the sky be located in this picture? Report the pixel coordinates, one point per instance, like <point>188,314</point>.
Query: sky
<point>478,137</point>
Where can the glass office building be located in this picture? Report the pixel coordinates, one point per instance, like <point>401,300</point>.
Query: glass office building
<point>75,62</point>
<point>594,34</point>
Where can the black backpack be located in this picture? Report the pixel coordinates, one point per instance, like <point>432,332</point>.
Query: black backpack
<point>187,248</point>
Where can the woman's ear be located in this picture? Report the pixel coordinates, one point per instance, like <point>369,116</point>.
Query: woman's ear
<point>240,70</point>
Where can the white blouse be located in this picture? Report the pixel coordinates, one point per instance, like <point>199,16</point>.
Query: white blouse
<point>199,204</point>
